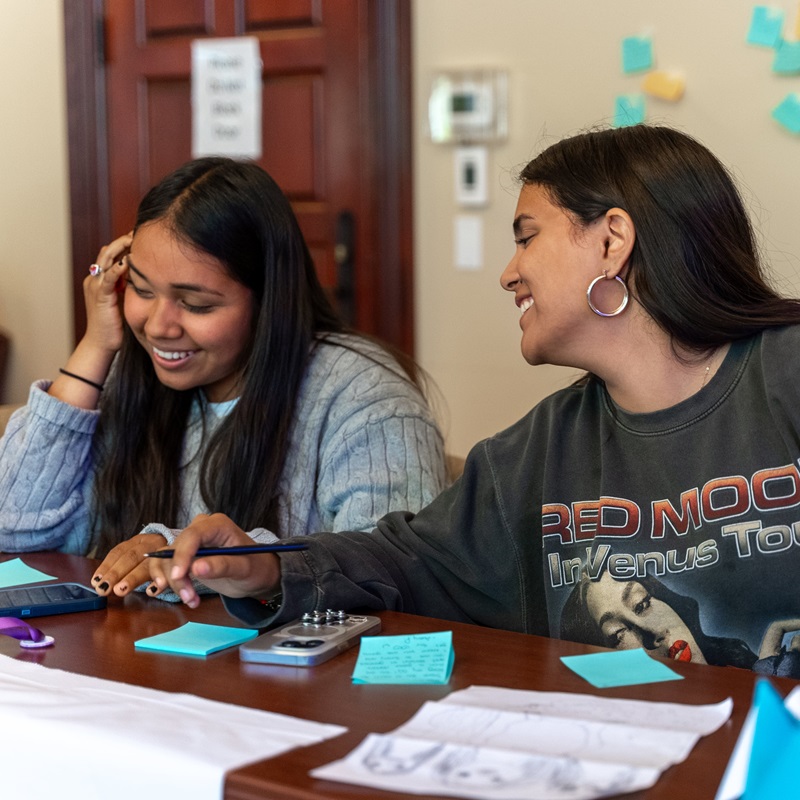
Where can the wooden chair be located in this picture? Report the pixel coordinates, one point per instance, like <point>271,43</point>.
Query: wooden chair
<point>5,342</point>
<point>454,466</point>
<point>6,410</point>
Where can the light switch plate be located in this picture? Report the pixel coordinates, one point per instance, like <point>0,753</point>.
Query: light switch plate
<point>471,164</point>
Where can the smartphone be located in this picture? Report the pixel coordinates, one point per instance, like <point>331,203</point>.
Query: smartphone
<point>52,598</point>
<point>316,637</point>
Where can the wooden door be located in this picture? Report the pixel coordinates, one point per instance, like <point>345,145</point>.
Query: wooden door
<point>336,129</point>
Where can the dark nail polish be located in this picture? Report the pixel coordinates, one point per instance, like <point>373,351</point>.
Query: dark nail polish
<point>152,588</point>
<point>103,586</point>
<point>96,579</point>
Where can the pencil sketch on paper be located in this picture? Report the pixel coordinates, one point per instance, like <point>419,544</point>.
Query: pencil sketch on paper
<point>481,772</point>
<point>565,737</point>
<point>388,757</point>
<point>497,744</point>
<point>478,770</point>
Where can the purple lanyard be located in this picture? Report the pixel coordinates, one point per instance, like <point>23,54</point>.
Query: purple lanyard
<point>27,634</point>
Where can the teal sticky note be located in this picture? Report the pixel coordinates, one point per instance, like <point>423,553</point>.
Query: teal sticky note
<point>414,658</point>
<point>629,109</point>
<point>620,668</point>
<point>787,58</point>
<point>787,113</point>
<point>765,26</point>
<point>775,751</point>
<point>637,54</point>
<point>196,639</point>
<point>16,573</point>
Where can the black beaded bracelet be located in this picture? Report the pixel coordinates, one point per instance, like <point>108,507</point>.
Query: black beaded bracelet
<point>97,386</point>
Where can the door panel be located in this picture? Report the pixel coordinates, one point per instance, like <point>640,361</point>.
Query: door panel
<point>325,107</point>
<point>187,17</point>
<point>291,12</point>
<point>293,131</point>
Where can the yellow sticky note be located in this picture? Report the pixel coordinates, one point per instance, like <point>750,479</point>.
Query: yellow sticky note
<point>664,85</point>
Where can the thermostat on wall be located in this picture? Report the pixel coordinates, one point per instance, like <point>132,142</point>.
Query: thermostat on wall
<point>468,106</point>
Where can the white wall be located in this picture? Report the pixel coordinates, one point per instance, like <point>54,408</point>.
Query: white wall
<point>564,64</point>
<point>563,59</point>
<point>35,291</point>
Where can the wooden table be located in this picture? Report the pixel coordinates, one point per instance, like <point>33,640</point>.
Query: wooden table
<point>100,643</point>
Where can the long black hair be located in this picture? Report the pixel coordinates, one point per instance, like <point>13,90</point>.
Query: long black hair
<point>694,266</point>
<point>237,214</point>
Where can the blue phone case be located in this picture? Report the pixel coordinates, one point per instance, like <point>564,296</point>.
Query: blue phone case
<point>53,598</point>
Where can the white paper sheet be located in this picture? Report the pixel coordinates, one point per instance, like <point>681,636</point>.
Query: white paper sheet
<point>71,736</point>
<point>792,701</point>
<point>735,778</point>
<point>487,743</point>
<point>226,97</point>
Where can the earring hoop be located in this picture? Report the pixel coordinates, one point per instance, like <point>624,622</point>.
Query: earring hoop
<point>619,309</point>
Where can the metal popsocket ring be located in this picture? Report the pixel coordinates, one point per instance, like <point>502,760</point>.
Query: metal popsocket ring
<point>95,270</point>
<point>29,637</point>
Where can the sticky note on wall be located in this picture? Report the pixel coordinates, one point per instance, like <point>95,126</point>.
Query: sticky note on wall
<point>664,85</point>
<point>765,26</point>
<point>637,54</point>
<point>788,113</point>
<point>787,58</point>
<point>629,109</point>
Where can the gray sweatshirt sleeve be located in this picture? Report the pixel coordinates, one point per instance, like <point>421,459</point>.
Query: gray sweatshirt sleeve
<point>469,556</point>
<point>46,475</point>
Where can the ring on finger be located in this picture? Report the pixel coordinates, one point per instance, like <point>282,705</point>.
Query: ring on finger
<point>95,270</point>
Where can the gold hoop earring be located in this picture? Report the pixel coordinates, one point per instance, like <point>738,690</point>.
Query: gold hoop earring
<point>619,309</point>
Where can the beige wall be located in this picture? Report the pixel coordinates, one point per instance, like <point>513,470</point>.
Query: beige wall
<point>35,293</point>
<point>564,69</point>
<point>563,60</point>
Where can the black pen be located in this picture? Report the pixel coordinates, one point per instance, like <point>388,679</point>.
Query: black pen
<point>243,550</point>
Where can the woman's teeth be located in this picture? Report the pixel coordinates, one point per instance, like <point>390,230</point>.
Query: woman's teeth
<point>172,355</point>
<point>525,305</point>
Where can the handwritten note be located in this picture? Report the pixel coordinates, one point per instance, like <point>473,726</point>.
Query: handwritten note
<point>16,573</point>
<point>416,658</point>
<point>620,668</point>
<point>196,639</point>
<point>226,97</point>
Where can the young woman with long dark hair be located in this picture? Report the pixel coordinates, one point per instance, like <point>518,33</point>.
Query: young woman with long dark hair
<point>214,376</point>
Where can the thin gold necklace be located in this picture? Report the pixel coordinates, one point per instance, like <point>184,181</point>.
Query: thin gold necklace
<point>711,360</point>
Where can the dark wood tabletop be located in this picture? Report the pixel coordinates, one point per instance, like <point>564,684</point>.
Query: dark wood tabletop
<point>100,643</point>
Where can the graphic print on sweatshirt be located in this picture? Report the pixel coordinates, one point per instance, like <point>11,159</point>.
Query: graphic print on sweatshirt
<point>703,576</point>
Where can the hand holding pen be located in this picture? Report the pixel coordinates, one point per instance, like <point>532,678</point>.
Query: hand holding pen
<point>234,573</point>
